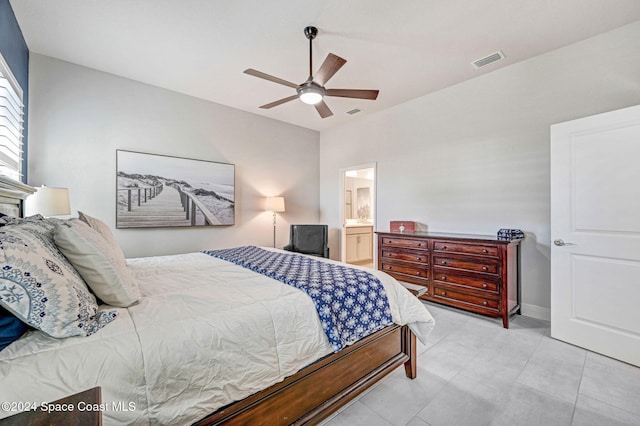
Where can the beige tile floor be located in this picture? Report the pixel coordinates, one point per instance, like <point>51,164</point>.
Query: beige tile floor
<point>473,372</point>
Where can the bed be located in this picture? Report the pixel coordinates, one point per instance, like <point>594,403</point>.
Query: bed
<point>212,342</point>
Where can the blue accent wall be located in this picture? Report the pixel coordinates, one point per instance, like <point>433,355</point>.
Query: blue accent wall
<point>15,51</point>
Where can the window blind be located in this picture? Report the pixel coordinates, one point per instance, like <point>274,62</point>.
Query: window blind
<point>11,123</point>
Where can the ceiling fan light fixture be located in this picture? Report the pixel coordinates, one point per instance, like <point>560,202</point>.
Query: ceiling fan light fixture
<point>310,93</point>
<point>310,97</point>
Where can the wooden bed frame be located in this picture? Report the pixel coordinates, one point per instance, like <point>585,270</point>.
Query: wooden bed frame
<point>317,391</point>
<point>12,194</point>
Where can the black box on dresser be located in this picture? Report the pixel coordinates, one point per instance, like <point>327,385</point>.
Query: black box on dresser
<point>472,272</point>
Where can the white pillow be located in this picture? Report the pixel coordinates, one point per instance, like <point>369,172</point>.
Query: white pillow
<point>103,229</point>
<point>103,269</point>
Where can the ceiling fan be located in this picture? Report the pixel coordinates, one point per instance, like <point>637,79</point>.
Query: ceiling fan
<point>313,91</point>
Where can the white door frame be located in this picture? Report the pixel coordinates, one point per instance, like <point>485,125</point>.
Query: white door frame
<point>343,220</point>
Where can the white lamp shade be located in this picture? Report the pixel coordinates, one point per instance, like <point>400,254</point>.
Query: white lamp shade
<point>48,202</point>
<point>275,204</point>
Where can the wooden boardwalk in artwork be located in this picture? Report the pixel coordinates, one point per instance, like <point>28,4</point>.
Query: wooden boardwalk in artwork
<point>163,210</point>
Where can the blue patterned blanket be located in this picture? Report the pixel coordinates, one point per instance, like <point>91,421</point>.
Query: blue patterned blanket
<point>351,302</point>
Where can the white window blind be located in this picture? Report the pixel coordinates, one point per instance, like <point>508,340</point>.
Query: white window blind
<point>11,127</point>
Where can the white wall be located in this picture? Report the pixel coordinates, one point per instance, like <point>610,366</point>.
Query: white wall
<point>79,117</point>
<point>474,158</point>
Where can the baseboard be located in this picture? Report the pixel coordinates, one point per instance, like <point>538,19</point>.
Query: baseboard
<point>535,311</point>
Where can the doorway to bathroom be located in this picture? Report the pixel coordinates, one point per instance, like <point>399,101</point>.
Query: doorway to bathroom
<point>358,189</point>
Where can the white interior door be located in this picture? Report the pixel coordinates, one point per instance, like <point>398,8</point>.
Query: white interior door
<point>595,233</point>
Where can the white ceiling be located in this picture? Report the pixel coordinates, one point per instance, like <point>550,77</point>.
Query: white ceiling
<point>405,49</point>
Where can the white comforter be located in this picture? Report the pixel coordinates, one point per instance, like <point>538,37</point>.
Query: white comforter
<point>205,333</point>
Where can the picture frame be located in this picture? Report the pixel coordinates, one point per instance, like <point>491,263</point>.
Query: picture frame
<point>348,206</point>
<point>363,195</point>
<point>156,191</point>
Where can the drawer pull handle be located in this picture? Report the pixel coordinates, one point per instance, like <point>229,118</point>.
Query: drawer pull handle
<point>484,286</point>
<point>443,278</point>
<point>444,293</point>
<point>485,303</point>
<point>485,251</point>
<point>444,262</point>
<point>417,272</point>
<point>444,247</point>
<point>484,268</point>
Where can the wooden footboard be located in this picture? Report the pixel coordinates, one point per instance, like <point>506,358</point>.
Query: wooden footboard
<point>320,389</point>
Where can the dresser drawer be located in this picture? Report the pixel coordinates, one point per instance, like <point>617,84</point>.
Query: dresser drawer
<point>406,255</point>
<point>442,275</point>
<point>405,269</point>
<point>454,247</point>
<point>488,303</point>
<point>464,264</point>
<point>424,282</point>
<point>404,242</point>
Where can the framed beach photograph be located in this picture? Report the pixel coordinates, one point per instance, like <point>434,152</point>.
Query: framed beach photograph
<point>154,191</point>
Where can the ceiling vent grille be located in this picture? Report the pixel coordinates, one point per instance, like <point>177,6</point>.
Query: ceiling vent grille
<point>354,111</point>
<point>489,59</point>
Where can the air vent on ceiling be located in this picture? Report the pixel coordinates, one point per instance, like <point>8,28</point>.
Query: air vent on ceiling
<point>489,59</point>
<point>354,111</point>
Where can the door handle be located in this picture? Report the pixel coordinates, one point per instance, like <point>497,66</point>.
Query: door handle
<point>560,242</point>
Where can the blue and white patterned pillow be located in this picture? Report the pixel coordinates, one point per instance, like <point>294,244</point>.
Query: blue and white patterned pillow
<point>36,223</point>
<point>39,285</point>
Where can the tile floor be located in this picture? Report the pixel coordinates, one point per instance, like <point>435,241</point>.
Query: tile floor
<point>474,372</point>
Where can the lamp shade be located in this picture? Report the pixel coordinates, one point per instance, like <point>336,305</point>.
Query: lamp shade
<point>48,202</point>
<point>275,204</point>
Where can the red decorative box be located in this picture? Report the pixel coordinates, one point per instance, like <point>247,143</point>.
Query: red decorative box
<point>402,226</point>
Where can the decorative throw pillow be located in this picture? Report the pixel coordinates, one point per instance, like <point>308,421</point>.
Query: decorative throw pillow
<point>103,229</point>
<point>36,222</point>
<point>11,328</point>
<point>103,269</point>
<point>41,288</point>
<point>5,219</point>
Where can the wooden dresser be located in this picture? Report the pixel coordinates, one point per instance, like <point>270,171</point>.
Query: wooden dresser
<point>472,272</point>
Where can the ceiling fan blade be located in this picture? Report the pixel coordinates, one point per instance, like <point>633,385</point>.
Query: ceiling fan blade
<point>279,102</point>
<point>262,75</point>
<point>353,93</point>
<point>329,67</point>
<point>323,109</point>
